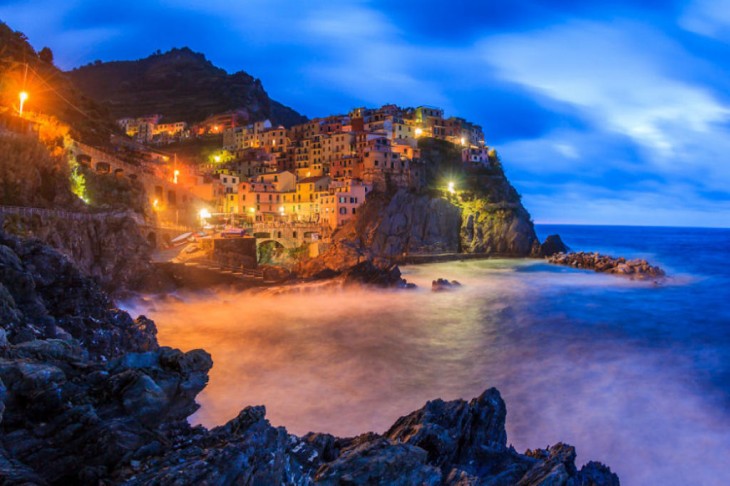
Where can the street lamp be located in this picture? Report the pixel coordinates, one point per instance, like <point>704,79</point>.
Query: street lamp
<point>204,215</point>
<point>451,188</point>
<point>22,96</point>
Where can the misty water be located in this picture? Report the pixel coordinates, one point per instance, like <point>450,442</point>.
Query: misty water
<point>633,374</point>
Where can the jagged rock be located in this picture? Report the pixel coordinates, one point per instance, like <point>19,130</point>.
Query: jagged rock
<point>553,244</point>
<point>380,462</point>
<point>442,284</point>
<point>111,249</point>
<point>368,273</point>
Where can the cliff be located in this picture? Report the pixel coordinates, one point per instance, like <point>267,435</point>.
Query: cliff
<point>483,216</point>
<point>108,247</point>
<point>103,237</point>
<point>87,396</point>
<point>181,85</point>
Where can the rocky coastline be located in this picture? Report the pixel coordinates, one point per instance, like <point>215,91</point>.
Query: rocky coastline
<point>636,269</point>
<point>88,396</point>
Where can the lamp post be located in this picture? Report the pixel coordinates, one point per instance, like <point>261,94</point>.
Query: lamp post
<point>22,96</point>
<point>204,216</point>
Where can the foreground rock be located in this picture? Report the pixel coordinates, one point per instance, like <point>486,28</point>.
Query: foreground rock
<point>110,247</point>
<point>88,397</point>
<point>452,443</point>
<point>639,269</point>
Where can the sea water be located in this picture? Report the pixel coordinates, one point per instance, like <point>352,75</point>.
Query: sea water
<point>635,374</point>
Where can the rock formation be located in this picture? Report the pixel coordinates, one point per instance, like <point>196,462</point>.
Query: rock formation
<point>87,396</point>
<point>110,248</point>
<point>441,284</point>
<point>637,268</point>
<point>553,244</point>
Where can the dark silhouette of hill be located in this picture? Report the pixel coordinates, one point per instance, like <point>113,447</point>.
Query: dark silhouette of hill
<point>180,85</point>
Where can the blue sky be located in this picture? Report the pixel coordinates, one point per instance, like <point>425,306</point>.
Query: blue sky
<point>602,114</point>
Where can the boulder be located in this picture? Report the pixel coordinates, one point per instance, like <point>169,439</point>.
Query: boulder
<point>370,274</point>
<point>553,244</point>
<point>442,284</point>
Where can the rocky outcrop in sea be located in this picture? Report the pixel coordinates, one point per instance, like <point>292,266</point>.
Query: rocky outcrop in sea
<point>87,396</point>
<point>636,268</point>
<point>392,227</point>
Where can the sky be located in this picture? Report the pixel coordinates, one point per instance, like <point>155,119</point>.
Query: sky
<point>602,112</point>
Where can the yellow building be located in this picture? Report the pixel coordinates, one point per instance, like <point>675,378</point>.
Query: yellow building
<point>309,191</point>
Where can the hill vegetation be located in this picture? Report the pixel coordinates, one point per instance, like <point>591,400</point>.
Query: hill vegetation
<point>50,90</point>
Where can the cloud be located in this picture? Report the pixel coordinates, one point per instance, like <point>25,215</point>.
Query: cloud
<point>601,69</point>
<point>656,205</point>
<point>710,18</point>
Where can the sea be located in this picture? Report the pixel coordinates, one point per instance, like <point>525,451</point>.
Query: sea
<point>634,374</point>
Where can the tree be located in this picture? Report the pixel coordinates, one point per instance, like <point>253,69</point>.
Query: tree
<point>46,55</point>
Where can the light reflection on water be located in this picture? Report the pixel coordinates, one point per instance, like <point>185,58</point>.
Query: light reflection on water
<point>579,357</point>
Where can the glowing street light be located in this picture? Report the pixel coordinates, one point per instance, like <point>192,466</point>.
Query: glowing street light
<point>463,141</point>
<point>175,176</point>
<point>22,96</point>
<point>204,214</point>
<point>451,188</point>
<point>419,132</point>
<point>217,158</point>
<point>281,210</point>
<point>156,204</point>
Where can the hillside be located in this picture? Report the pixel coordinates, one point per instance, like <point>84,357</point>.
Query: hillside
<point>484,216</point>
<point>49,89</point>
<point>180,85</point>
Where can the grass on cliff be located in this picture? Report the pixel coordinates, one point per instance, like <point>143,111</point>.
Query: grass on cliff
<point>30,175</point>
<point>443,164</point>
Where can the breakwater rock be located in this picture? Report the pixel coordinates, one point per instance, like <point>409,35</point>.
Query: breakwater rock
<point>87,396</point>
<point>637,268</point>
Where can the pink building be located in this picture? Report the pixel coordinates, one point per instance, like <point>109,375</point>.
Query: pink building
<point>344,198</point>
